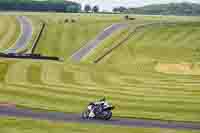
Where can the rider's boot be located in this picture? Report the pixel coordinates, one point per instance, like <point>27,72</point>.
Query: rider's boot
<point>91,115</point>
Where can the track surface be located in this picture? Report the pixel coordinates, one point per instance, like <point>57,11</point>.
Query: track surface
<point>56,116</point>
<point>85,50</point>
<point>25,37</point>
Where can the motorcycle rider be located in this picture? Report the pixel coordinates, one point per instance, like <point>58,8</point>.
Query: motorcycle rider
<point>96,105</point>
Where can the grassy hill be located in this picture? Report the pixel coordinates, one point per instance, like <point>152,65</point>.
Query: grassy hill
<point>128,78</point>
<point>154,75</point>
<point>170,43</point>
<point>64,38</point>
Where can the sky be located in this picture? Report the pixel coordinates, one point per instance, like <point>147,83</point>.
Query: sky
<point>109,4</point>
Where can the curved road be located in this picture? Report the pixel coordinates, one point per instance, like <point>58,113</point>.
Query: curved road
<point>86,49</point>
<point>56,116</point>
<point>25,35</point>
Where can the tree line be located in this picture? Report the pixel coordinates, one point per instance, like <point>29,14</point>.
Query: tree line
<point>50,5</point>
<point>189,9</point>
<point>89,8</point>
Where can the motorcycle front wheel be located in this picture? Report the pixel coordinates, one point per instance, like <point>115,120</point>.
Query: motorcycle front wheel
<point>85,115</point>
<point>108,116</point>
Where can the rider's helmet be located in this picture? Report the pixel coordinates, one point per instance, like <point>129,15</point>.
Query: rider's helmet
<point>91,103</point>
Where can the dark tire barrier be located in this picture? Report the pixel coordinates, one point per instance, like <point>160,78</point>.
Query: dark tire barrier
<point>131,34</point>
<point>29,56</point>
<point>35,43</point>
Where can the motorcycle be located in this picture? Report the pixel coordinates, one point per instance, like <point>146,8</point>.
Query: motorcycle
<point>102,111</point>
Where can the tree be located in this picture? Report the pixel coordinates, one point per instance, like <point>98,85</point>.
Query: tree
<point>72,8</point>
<point>87,8</point>
<point>115,9</point>
<point>120,9</point>
<point>95,9</point>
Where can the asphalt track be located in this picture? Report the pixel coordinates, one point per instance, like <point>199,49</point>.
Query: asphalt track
<point>25,36</point>
<point>62,117</point>
<point>86,49</point>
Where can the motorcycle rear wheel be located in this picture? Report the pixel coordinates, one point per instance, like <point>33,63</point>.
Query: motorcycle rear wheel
<point>108,116</point>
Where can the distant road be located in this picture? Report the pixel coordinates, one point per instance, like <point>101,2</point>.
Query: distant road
<point>25,35</point>
<point>63,117</point>
<point>85,50</point>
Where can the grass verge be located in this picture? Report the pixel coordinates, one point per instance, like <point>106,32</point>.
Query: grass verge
<point>31,126</point>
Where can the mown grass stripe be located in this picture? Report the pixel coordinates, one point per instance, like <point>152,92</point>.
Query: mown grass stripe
<point>125,99</point>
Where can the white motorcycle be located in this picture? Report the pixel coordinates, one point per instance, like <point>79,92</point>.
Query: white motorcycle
<point>99,110</point>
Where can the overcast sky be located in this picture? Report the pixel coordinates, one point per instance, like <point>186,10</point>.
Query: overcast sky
<point>109,4</point>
